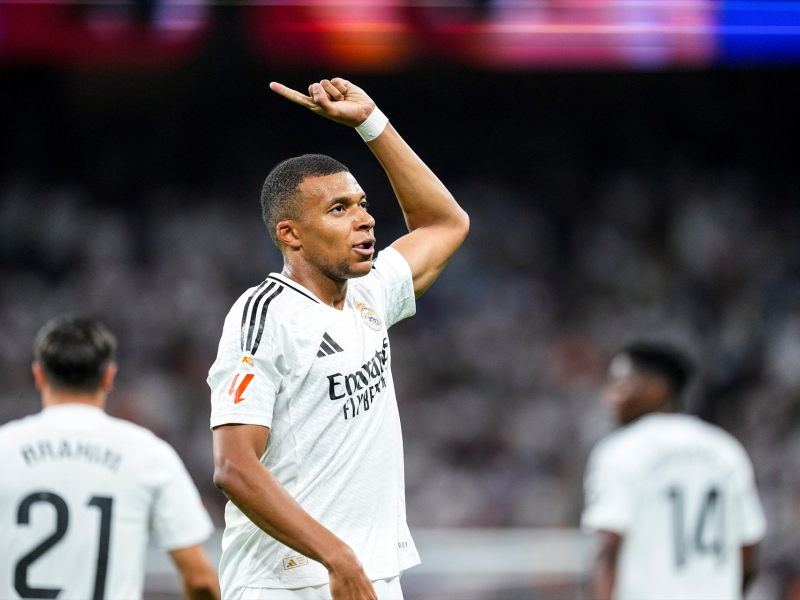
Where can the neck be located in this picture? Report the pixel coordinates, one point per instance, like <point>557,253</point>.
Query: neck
<point>666,407</point>
<point>332,292</point>
<point>51,397</point>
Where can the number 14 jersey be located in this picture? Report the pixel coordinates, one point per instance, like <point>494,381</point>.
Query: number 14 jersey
<point>681,492</point>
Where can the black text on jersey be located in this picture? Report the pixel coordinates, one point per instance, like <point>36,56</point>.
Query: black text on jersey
<point>360,388</point>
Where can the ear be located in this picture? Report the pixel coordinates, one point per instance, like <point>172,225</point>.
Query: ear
<point>107,382</point>
<point>38,376</point>
<point>288,234</point>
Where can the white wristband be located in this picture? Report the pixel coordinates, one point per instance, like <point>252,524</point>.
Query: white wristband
<point>374,125</point>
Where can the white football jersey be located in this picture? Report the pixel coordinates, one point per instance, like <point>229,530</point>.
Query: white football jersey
<point>79,492</point>
<point>681,492</point>
<point>321,380</point>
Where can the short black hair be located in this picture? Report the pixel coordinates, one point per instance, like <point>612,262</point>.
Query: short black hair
<point>279,194</point>
<point>664,361</point>
<point>74,352</point>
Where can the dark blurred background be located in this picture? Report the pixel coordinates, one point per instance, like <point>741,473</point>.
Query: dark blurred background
<point>649,195</point>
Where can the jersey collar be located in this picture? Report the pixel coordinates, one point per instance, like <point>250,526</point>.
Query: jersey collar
<point>57,410</point>
<point>302,290</point>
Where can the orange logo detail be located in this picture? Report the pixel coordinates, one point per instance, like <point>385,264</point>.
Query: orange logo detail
<point>242,387</point>
<point>247,359</point>
<point>233,383</point>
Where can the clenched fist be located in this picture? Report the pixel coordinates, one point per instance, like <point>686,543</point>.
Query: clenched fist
<point>337,99</point>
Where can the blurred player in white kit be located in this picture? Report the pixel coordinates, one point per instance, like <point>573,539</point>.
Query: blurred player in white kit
<point>673,498</point>
<point>80,490</point>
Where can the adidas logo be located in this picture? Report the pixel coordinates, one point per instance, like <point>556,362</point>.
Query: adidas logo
<point>294,561</point>
<point>328,347</point>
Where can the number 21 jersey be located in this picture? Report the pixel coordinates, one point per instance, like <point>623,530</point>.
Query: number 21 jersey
<point>79,493</point>
<point>681,492</point>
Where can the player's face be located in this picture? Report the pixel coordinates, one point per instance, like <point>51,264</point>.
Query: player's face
<point>629,393</point>
<point>336,231</point>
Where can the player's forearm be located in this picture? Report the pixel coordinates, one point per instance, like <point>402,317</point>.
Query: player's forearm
<point>602,584</point>
<point>749,566</point>
<point>207,591</point>
<point>424,199</point>
<point>256,492</point>
<point>603,576</point>
<point>200,581</point>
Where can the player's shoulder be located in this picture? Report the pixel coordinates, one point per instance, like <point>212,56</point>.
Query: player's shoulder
<point>136,435</point>
<point>13,429</point>
<point>663,432</point>
<point>653,429</point>
<point>722,440</point>
<point>610,444</point>
<point>691,429</point>
<point>276,304</point>
<point>389,278</point>
<point>276,296</point>
<point>623,439</point>
<point>123,433</point>
<point>615,451</point>
<point>148,457</point>
<point>389,268</point>
<point>629,444</point>
<point>129,428</point>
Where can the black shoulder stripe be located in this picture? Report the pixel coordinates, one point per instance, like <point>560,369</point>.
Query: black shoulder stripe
<point>254,314</point>
<point>294,288</point>
<point>333,344</point>
<point>246,308</point>
<point>264,319</point>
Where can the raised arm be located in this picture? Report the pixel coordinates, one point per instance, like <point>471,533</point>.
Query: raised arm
<point>238,472</point>
<point>437,224</point>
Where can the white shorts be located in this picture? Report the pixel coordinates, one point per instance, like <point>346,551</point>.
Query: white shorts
<point>386,589</point>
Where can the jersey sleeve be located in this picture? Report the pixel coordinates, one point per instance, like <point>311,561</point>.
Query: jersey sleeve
<point>178,519</point>
<point>748,510</point>
<point>397,283</point>
<point>608,504</point>
<point>244,384</point>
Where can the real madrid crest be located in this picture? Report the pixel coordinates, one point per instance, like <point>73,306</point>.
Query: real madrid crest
<point>370,318</point>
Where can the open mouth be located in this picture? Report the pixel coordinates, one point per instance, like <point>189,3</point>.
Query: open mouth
<point>366,248</point>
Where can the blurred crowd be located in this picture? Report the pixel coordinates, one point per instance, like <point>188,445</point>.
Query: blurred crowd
<point>498,373</point>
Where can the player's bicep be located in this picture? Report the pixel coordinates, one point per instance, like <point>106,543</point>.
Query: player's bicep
<point>236,442</point>
<point>609,544</point>
<point>427,250</point>
<point>237,453</point>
